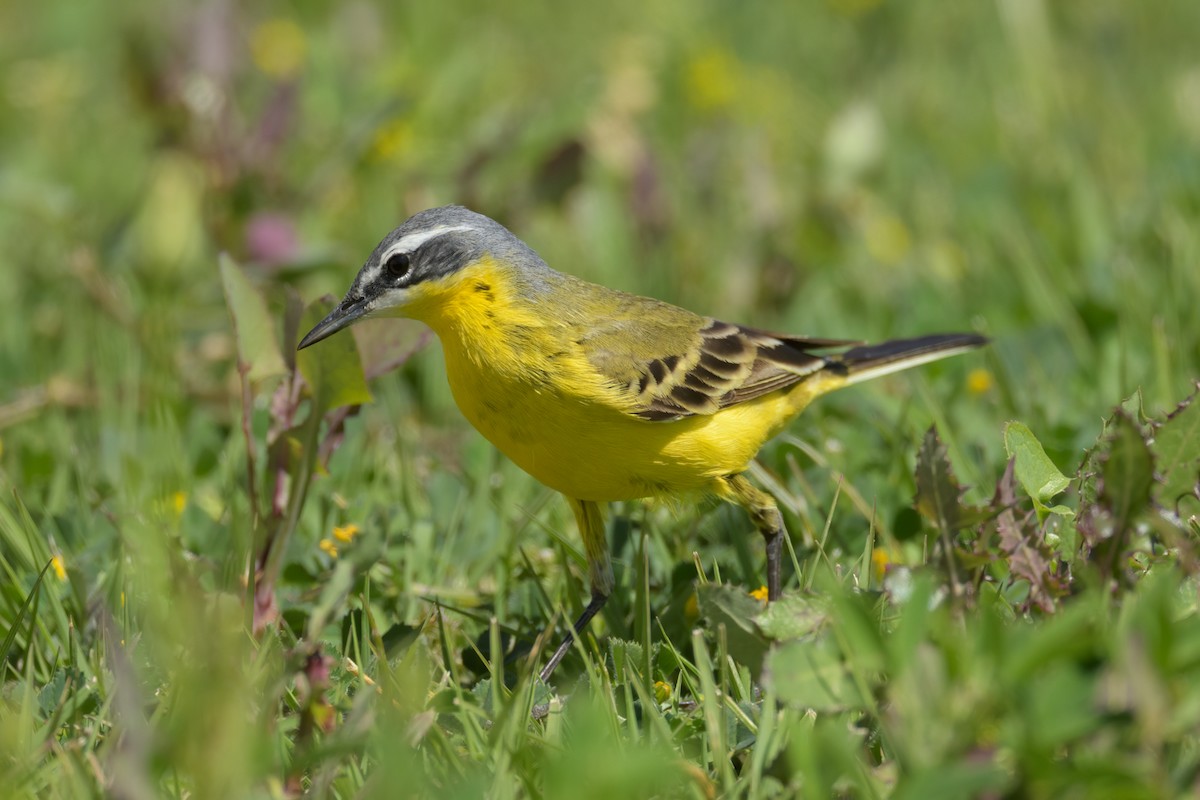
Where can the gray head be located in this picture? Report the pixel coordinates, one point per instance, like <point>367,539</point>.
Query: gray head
<point>430,248</point>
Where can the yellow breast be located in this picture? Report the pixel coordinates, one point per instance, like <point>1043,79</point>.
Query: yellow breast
<point>522,381</point>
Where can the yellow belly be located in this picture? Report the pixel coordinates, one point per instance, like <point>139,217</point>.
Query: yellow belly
<point>526,385</point>
<point>593,452</point>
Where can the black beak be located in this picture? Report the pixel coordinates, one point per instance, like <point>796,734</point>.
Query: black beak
<point>346,314</point>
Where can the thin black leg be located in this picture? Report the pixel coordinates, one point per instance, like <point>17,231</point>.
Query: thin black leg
<point>767,519</point>
<point>597,602</point>
<point>774,538</point>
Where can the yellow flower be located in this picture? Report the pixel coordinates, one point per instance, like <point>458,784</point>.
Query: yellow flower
<point>329,547</point>
<point>880,560</point>
<point>171,505</point>
<point>345,533</point>
<point>59,567</point>
<point>980,381</point>
<point>279,48</point>
<point>760,594</point>
<point>662,691</point>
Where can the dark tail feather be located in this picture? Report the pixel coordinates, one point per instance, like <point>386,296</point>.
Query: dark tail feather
<point>871,361</point>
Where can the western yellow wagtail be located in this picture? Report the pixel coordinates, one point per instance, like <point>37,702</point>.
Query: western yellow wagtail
<point>600,394</point>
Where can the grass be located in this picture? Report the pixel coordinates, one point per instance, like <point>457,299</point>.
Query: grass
<point>850,169</point>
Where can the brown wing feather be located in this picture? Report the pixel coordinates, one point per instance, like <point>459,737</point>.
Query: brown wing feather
<point>719,365</point>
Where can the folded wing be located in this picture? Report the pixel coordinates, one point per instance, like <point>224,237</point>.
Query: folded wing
<point>686,365</point>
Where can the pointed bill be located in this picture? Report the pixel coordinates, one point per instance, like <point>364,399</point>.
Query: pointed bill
<point>345,314</point>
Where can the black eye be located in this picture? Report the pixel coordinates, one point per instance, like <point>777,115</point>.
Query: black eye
<point>397,265</point>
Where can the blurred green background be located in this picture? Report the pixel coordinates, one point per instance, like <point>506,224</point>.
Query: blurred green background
<point>848,168</point>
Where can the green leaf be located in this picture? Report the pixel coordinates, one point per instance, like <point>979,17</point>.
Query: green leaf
<point>810,675</point>
<point>253,327</point>
<point>626,654</point>
<point>906,524</point>
<point>334,589</point>
<point>1069,635</point>
<point>1135,407</point>
<point>482,692</point>
<point>55,694</point>
<point>938,491</point>
<point>726,605</point>
<point>1176,451</point>
<point>1035,471</point>
<point>1028,556</point>
<point>913,626</point>
<point>15,628</point>
<point>1128,472</point>
<point>332,368</point>
<point>792,617</point>
<point>1061,705</point>
<point>857,617</point>
<point>970,777</point>
<point>386,343</point>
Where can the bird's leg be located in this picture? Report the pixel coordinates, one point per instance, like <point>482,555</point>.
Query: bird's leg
<point>595,548</point>
<point>597,602</point>
<point>766,517</point>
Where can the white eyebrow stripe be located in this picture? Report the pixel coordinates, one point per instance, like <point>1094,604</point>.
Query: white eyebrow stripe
<point>369,275</point>
<point>415,240</point>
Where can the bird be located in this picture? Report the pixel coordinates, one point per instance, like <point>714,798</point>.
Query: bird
<point>603,395</point>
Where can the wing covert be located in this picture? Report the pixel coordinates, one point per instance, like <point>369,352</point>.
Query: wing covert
<point>699,365</point>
